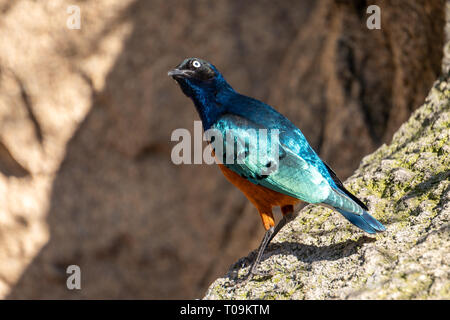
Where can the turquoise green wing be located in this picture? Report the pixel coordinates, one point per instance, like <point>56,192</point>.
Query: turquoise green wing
<point>258,156</point>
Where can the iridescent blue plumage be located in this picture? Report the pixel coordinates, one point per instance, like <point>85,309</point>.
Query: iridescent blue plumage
<point>300,172</point>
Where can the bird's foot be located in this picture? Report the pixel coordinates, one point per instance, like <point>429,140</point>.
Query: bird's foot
<point>257,275</point>
<point>235,280</point>
<point>262,274</point>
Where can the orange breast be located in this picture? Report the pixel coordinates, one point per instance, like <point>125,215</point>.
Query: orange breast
<point>262,198</point>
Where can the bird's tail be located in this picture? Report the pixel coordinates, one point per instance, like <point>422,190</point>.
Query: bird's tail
<point>354,213</point>
<point>365,221</point>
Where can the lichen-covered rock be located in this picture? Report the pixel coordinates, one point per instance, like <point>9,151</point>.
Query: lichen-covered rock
<point>319,255</point>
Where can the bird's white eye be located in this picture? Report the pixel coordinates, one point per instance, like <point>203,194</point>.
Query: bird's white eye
<point>196,64</point>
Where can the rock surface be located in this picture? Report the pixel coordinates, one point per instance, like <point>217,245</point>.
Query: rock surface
<point>406,185</point>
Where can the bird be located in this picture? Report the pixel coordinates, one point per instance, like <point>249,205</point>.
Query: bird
<point>300,175</point>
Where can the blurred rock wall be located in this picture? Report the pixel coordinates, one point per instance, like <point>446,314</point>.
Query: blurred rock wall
<point>86,117</point>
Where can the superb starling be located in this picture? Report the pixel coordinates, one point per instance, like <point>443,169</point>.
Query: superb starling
<point>300,174</point>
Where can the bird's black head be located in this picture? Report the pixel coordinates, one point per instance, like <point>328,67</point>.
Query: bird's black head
<point>197,77</point>
<point>194,69</point>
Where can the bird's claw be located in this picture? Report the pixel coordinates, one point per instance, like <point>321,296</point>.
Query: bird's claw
<point>263,274</point>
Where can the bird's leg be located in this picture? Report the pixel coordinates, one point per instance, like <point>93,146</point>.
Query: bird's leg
<point>262,247</point>
<point>288,215</point>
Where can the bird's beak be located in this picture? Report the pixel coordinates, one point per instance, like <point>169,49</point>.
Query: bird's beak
<point>180,73</point>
